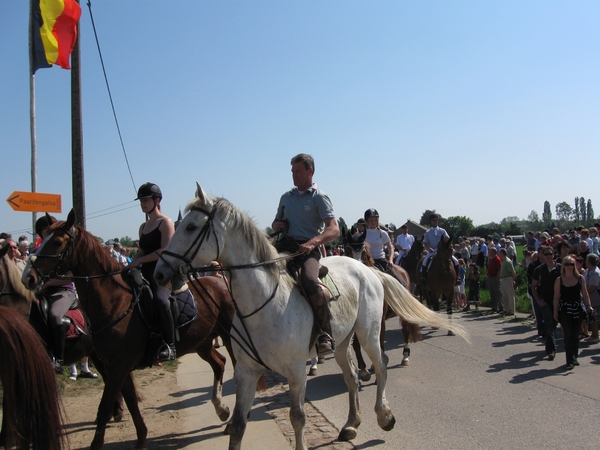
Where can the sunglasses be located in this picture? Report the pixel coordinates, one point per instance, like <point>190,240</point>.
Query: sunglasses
<point>569,264</point>
<point>548,254</point>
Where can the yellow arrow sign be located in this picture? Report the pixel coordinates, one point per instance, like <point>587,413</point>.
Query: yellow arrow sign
<point>35,202</point>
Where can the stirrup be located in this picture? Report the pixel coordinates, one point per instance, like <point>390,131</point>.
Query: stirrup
<point>166,353</point>
<point>325,344</point>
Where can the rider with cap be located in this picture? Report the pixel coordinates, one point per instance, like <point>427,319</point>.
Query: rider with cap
<point>155,235</point>
<point>432,238</point>
<point>61,296</point>
<point>305,215</point>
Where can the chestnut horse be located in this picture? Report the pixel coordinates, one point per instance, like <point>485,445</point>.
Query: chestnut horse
<point>359,249</point>
<point>31,411</point>
<point>120,333</point>
<point>441,278</point>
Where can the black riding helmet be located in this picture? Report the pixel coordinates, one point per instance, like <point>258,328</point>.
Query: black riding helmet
<point>41,224</point>
<point>149,190</point>
<point>371,212</point>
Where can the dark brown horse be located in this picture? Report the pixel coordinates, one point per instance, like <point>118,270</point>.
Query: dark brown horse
<point>359,249</point>
<point>410,261</point>
<point>120,333</point>
<point>31,411</point>
<point>14,295</point>
<point>441,277</point>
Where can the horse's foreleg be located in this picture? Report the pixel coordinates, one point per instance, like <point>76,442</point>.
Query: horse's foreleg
<point>385,418</point>
<point>113,384</point>
<point>131,399</point>
<point>449,312</point>
<point>245,388</point>
<point>343,358</point>
<point>363,373</point>
<point>297,385</point>
<point>118,408</point>
<point>217,362</point>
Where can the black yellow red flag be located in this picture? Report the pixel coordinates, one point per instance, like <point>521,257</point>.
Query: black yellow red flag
<point>53,32</point>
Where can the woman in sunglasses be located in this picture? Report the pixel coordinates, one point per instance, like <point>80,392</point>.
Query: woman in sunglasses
<point>570,302</point>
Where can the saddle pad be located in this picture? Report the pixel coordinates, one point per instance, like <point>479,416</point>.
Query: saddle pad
<point>328,281</point>
<point>188,311</point>
<point>76,317</point>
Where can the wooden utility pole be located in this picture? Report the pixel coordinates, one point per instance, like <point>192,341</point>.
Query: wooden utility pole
<point>77,135</point>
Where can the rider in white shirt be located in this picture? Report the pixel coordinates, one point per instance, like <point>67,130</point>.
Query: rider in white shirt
<point>404,242</point>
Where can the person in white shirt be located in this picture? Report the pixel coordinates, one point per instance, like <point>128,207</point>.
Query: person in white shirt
<point>404,242</point>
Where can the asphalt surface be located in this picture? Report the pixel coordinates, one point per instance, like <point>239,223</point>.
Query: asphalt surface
<point>500,391</point>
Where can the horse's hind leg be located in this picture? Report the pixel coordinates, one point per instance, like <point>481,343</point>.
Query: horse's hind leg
<point>343,358</point>
<point>406,351</point>
<point>385,418</point>
<point>245,388</point>
<point>217,362</point>
<point>363,373</point>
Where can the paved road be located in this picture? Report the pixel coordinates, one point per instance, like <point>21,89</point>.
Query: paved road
<point>497,392</point>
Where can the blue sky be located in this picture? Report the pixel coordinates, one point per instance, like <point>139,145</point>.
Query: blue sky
<point>477,109</point>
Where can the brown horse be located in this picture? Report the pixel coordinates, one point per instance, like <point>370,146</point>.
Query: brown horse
<point>121,334</point>
<point>31,411</point>
<point>441,277</point>
<point>359,249</point>
<point>14,295</point>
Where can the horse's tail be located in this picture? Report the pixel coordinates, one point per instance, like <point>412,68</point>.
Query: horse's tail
<point>411,310</point>
<point>32,407</point>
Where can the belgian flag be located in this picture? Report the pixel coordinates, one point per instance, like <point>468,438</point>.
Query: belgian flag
<point>53,32</point>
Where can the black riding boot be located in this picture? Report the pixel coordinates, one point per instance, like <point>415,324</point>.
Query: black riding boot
<point>423,280</point>
<point>458,281</point>
<point>167,329</point>
<point>59,335</point>
<point>325,342</point>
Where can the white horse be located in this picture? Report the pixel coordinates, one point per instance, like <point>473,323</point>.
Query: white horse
<point>274,322</point>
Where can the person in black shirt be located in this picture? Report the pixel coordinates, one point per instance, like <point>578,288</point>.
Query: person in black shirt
<point>542,287</point>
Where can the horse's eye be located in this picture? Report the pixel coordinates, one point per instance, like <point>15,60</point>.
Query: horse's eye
<point>191,227</point>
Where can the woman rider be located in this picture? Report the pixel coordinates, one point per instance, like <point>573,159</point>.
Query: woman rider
<point>155,235</point>
<point>61,296</point>
<point>379,240</point>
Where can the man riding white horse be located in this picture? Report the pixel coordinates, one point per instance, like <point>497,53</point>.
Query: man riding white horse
<point>305,214</point>
<point>433,236</point>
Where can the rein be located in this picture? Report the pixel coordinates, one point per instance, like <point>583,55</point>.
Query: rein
<point>188,270</point>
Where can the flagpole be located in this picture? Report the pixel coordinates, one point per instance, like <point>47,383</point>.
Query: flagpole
<point>32,130</point>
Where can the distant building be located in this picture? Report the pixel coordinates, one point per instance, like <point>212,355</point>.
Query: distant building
<point>417,230</point>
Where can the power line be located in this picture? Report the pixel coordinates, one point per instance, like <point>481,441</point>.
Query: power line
<point>110,95</point>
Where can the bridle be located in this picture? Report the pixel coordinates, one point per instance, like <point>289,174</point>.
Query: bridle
<point>188,270</point>
<point>56,272</point>
<point>188,257</point>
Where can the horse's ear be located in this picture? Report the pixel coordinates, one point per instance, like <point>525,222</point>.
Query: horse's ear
<point>361,237</point>
<point>71,218</point>
<point>50,219</point>
<point>202,196</point>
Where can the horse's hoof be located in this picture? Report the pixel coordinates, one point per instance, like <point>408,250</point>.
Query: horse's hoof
<point>118,417</point>
<point>390,424</point>
<point>405,362</point>
<point>347,434</point>
<point>321,360</point>
<point>364,375</point>
<point>312,372</point>
<point>224,414</point>
<point>451,333</point>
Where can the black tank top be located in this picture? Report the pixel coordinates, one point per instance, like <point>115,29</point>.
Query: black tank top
<point>149,243</point>
<point>570,299</point>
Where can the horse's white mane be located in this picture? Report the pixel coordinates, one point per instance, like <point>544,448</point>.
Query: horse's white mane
<point>242,224</point>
